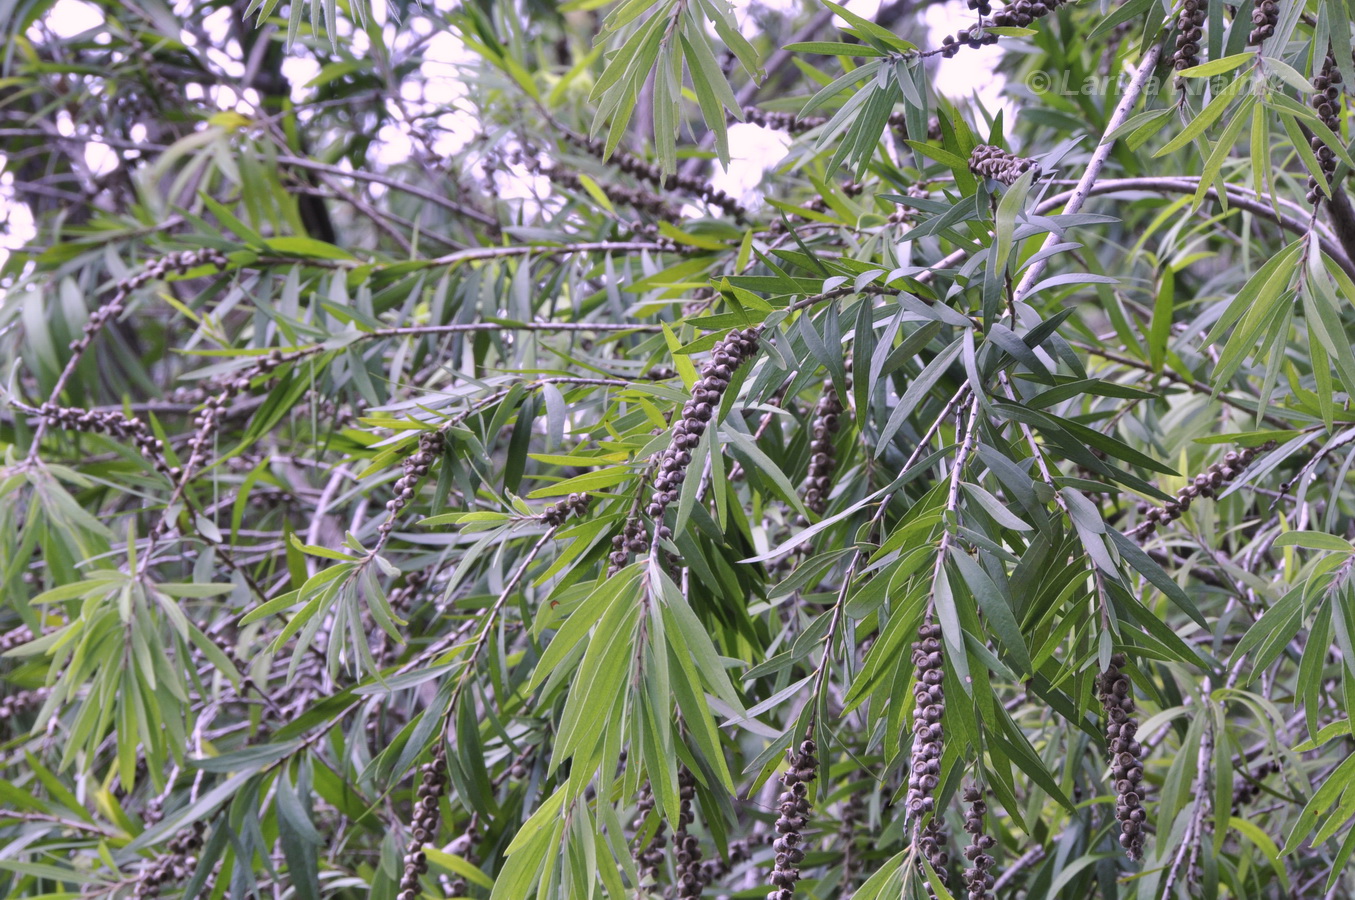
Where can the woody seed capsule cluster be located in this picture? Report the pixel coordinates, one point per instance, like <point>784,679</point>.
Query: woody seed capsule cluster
<point>175,865</point>
<point>822,453</point>
<point>556,514</point>
<point>1190,29</point>
<point>632,539</point>
<point>431,444</point>
<point>1326,101</point>
<point>633,165</point>
<point>931,842</point>
<point>15,637</point>
<point>642,200</point>
<point>988,161</point>
<point>730,353</point>
<point>1264,18</point>
<point>114,424</point>
<point>978,877</point>
<point>1246,789</point>
<point>464,847</point>
<point>1018,14</point>
<point>179,261</point>
<point>929,705</point>
<point>651,857</point>
<point>1117,699</point>
<point>1206,484</point>
<point>790,824</point>
<point>817,205</point>
<point>424,826</point>
<point>781,121</point>
<point>21,702</point>
<point>691,879</point>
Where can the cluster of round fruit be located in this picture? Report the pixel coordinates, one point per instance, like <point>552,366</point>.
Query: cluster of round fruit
<point>1264,18</point>
<point>1326,102</point>
<point>691,875</point>
<point>416,465</point>
<point>794,816</point>
<point>433,779</point>
<point>114,424</point>
<point>1014,15</point>
<point>176,865</point>
<point>731,352</point>
<point>988,161</point>
<point>1190,29</point>
<point>1117,699</point>
<point>638,168</point>
<point>924,772</point>
<point>557,514</point>
<point>179,261</point>
<point>978,878</point>
<point>1206,484</point>
<point>781,121</point>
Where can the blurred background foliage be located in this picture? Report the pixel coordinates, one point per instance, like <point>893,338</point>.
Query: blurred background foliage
<point>661,448</point>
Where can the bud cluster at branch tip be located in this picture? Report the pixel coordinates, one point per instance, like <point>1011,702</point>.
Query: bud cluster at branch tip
<point>988,161</point>
<point>794,810</point>
<point>978,878</point>
<point>1126,754</point>
<point>424,824</point>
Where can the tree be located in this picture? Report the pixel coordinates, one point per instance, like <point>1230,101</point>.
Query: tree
<point>423,479</point>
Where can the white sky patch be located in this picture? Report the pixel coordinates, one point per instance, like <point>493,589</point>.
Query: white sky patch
<point>68,18</point>
<point>299,72</point>
<point>100,158</point>
<point>753,150</point>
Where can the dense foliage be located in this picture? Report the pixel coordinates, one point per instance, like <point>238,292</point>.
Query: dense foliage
<point>421,479</point>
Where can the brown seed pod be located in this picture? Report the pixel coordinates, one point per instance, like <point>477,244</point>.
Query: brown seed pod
<point>1264,18</point>
<point>1326,94</point>
<point>557,514</point>
<point>1189,33</point>
<point>423,824</point>
<point>734,350</point>
<point>988,161</point>
<point>638,168</point>
<point>928,711</point>
<point>794,811</point>
<point>978,877</point>
<point>1206,484</point>
<point>1126,753</point>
